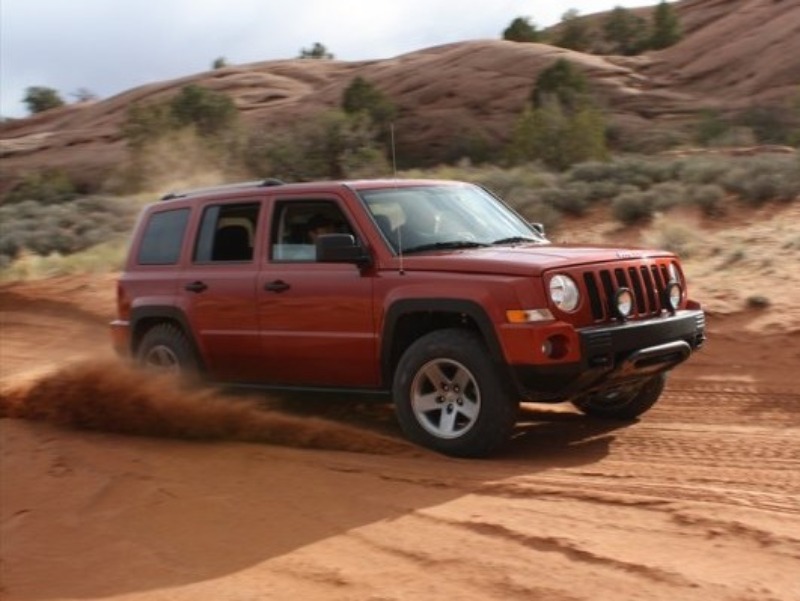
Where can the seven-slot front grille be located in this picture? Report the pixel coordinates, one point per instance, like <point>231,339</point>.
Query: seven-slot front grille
<point>647,283</point>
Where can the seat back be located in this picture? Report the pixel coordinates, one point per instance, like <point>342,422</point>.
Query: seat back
<point>232,243</point>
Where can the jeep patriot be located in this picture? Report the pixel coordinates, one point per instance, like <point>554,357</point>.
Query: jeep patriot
<point>434,292</point>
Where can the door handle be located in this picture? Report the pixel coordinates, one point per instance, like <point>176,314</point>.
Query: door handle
<point>196,287</point>
<point>276,286</point>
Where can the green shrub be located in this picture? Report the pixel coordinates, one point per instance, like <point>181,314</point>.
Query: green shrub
<point>757,180</point>
<point>572,199</point>
<point>361,96</point>
<point>504,182</point>
<point>333,145</point>
<point>522,30</point>
<point>626,31</point>
<point>703,170</point>
<point>622,172</point>
<point>674,237</point>
<point>557,137</point>
<point>66,228</point>
<point>666,27</point>
<point>668,195</point>
<point>563,83</point>
<point>102,258</point>
<point>602,190</point>
<point>574,32</point>
<point>49,186</point>
<point>212,113</point>
<point>708,198</point>
<point>633,207</point>
<point>533,208</point>
<point>317,51</point>
<point>209,118</point>
<point>41,98</point>
<point>711,125</point>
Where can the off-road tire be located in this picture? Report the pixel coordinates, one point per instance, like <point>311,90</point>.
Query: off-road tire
<point>165,348</point>
<point>449,396</point>
<point>623,406</point>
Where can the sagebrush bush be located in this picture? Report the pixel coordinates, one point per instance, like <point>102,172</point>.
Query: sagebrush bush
<point>572,199</point>
<point>708,198</point>
<point>668,195</point>
<point>64,229</point>
<point>334,145</point>
<point>528,203</point>
<point>674,236</point>
<point>48,186</point>
<point>101,258</point>
<point>633,207</point>
<point>629,171</point>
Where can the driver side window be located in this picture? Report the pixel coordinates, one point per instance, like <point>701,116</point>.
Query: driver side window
<point>297,224</point>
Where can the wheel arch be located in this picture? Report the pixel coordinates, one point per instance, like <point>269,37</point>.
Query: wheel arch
<point>408,319</point>
<point>144,319</point>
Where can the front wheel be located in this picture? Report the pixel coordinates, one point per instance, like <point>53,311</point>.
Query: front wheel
<point>448,396</point>
<point>623,404</point>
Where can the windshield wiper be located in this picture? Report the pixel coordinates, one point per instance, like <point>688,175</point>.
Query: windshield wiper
<point>514,239</point>
<point>444,245</point>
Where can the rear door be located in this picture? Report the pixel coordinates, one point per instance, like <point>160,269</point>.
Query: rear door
<point>219,289</point>
<point>316,319</point>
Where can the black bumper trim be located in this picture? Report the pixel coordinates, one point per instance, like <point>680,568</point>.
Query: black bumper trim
<point>615,353</point>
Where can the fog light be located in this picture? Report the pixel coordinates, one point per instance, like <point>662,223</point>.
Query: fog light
<point>555,347</point>
<point>623,303</point>
<point>674,293</point>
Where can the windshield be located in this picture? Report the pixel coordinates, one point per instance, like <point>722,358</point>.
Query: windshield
<point>432,217</point>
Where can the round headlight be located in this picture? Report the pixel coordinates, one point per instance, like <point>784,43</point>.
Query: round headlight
<point>564,292</point>
<point>674,294</point>
<point>623,302</point>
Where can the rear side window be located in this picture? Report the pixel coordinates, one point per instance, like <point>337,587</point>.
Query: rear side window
<point>163,238</point>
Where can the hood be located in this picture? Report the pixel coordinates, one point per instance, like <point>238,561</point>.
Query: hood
<point>525,260</point>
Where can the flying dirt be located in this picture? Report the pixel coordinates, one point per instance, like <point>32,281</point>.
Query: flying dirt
<point>111,397</point>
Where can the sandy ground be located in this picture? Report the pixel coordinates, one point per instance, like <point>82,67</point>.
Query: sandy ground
<point>236,499</point>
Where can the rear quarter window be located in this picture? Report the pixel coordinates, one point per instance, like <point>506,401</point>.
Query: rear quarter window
<point>163,238</point>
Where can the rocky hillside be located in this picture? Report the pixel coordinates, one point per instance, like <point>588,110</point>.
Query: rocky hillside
<point>735,54</point>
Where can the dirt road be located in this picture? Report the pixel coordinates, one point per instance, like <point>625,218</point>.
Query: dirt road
<point>700,499</point>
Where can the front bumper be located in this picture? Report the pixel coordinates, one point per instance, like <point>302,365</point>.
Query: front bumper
<point>613,355</point>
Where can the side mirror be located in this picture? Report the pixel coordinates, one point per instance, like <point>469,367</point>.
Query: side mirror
<point>538,228</point>
<point>340,248</point>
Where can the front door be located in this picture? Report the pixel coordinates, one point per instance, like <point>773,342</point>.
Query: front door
<point>316,319</point>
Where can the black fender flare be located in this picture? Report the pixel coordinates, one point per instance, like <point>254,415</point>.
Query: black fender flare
<point>469,308</point>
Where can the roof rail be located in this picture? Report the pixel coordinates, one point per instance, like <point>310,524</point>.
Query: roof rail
<point>270,181</point>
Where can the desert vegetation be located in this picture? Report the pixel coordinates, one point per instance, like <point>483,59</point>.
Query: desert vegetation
<point>558,165</point>
<point>48,228</point>
<point>619,31</point>
<point>563,155</point>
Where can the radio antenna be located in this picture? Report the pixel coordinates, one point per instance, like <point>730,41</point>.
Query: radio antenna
<point>394,153</point>
<point>394,173</point>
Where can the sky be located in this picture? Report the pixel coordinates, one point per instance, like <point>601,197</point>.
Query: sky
<point>111,46</point>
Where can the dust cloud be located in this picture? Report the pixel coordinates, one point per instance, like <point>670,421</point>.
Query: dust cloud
<point>112,397</point>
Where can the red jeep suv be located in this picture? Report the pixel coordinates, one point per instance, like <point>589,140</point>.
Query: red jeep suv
<point>434,292</point>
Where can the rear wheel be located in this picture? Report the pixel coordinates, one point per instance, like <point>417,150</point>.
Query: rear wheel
<point>165,348</point>
<point>448,396</point>
<point>623,404</point>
